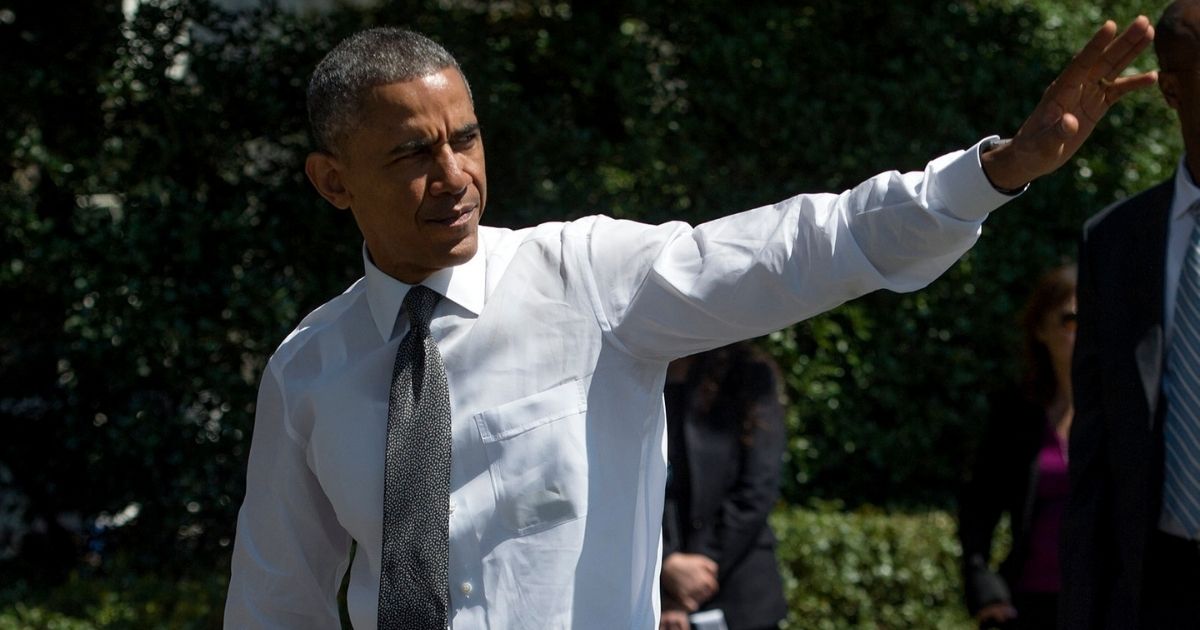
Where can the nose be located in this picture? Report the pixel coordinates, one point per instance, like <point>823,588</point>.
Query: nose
<point>448,177</point>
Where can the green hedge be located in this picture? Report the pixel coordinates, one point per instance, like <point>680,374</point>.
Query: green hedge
<point>116,602</point>
<point>159,237</point>
<point>869,570</point>
<point>842,570</point>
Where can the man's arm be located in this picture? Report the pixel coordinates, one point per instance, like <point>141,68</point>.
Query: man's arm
<point>290,552</point>
<point>980,505</point>
<point>668,291</point>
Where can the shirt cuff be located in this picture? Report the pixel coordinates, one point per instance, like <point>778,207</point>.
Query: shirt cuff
<point>965,189</point>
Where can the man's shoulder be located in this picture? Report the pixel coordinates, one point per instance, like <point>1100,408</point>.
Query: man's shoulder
<point>325,319</point>
<point>1126,213</point>
<point>544,229</point>
<point>557,234</point>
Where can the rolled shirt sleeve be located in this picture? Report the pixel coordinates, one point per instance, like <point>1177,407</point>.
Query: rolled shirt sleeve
<point>755,272</point>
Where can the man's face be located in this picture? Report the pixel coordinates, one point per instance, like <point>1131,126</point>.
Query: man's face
<point>1179,77</point>
<point>412,172</point>
<point>1181,89</point>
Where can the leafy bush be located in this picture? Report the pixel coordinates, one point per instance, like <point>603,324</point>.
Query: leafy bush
<point>868,569</point>
<point>159,237</point>
<point>116,602</point>
<point>842,570</point>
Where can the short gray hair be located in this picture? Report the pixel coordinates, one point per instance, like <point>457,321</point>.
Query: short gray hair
<point>1177,36</point>
<point>365,60</point>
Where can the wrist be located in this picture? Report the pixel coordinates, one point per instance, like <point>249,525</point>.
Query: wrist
<point>1002,168</point>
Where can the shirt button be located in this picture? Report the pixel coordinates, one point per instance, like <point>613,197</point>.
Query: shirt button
<point>467,588</point>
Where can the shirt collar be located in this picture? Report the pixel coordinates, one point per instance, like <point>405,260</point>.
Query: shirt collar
<point>1186,190</point>
<point>461,284</point>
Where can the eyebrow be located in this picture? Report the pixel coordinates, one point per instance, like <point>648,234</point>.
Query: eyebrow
<point>420,144</point>
<point>464,131</point>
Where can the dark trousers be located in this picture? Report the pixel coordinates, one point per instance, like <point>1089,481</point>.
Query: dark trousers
<point>1171,597</point>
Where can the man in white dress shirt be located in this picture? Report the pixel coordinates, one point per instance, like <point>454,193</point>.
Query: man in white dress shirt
<point>555,341</point>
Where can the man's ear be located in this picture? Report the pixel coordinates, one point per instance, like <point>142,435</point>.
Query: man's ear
<point>1168,84</point>
<point>325,172</point>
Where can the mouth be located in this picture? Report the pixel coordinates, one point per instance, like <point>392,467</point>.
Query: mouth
<point>458,217</point>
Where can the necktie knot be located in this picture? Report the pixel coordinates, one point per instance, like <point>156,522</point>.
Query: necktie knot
<point>419,305</point>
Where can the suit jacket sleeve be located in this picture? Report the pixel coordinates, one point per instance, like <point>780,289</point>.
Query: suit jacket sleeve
<point>749,502</point>
<point>981,502</point>
<point>1085,532</point>
<point>670,530</point>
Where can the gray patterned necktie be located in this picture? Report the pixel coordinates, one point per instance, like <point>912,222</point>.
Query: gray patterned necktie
<point>414,581</point>
<point>1181,429</point>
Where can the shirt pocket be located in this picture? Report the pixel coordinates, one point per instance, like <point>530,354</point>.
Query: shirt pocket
<point>537,454</point>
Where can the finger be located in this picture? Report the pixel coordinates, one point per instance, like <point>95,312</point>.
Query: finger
<point>1124,85</point>
<point>1125,48</point>
<point>1048,142</point>
<point>1109,92</point>
<point>1081,65</point>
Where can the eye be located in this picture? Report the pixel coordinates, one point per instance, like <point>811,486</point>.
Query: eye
<point>466,141</point>
<point>409,156</point>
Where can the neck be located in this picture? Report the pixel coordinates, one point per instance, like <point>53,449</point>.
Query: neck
<point>1062,378</point>
<point>1061,406</point>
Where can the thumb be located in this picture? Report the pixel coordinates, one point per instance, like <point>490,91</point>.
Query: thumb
<point>1067,127</point>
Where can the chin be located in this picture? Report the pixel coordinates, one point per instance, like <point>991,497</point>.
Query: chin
<point>462,251</point>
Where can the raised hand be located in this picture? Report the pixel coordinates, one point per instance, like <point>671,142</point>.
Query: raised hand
<point>1072,106</point>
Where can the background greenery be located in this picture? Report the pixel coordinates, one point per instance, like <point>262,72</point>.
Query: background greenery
<point>159,239</point>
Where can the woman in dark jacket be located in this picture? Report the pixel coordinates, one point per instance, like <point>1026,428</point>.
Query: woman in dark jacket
<point>725,445</point>
<point>1020,469</point>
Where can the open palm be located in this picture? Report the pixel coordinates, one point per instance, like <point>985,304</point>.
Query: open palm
<point>1073,104</point>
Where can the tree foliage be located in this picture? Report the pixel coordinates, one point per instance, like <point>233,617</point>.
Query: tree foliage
<point>159,238</point>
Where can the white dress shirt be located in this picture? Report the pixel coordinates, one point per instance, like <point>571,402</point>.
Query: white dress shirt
<point>555,340</point>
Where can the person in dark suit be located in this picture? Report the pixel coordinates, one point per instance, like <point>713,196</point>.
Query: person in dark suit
<point>725,440</point>
<point>1020,468</point>
<point>1128,560</point>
